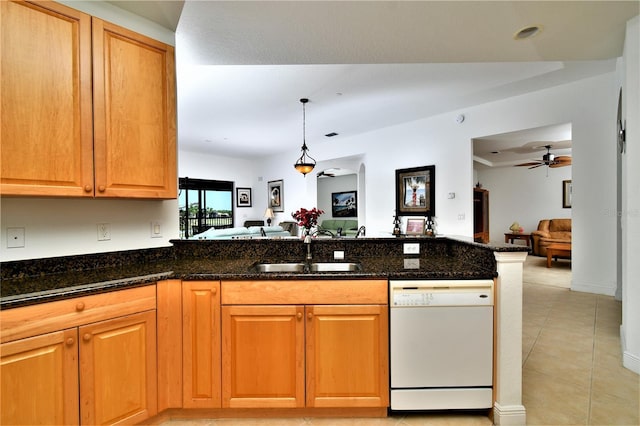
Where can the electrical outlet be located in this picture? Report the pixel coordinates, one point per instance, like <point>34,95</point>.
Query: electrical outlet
<point>156,230</point>
<point>104,232</point>
<point>411,248</point>
<point>411,263</point>
<point>338,255</point>
<point>461,216</point>
<point>15,237</point>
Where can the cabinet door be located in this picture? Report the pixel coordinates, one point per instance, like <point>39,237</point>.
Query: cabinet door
<point>45,96</point>
<point>134,114</point>
<point>118,370</point>
<point>201,344</point>
<point>347,356</point>
<point>262,356</point>
<point>40,380</point>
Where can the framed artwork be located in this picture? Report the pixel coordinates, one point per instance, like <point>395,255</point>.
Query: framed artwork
<point>243,197</point>
<point>415,191</point>
<point>344,204</point>
<point>276,195</point>
<point>415,226</point>
<point>566,194</point>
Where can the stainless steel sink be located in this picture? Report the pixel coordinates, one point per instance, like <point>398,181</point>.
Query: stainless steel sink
<point>335,267</point>
<point>280,267</point>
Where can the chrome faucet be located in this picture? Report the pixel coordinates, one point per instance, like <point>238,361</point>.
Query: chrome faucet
<point>361,231</point>
<point>307,241</point>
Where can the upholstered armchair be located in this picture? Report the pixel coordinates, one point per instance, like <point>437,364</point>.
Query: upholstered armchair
<point>550,231</point>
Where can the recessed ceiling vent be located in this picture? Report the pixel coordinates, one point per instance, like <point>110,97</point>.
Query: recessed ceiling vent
<point>527,32</point>
<point>332,134</point>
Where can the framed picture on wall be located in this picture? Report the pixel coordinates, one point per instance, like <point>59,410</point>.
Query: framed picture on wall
<point>415,226</point>
<point>415,191</point>
<point>566,194</point>
<point>344,204</point>
<point>243,197</point>
<point>275,196</point>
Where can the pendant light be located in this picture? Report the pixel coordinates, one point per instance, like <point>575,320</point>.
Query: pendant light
<point>305,163</point>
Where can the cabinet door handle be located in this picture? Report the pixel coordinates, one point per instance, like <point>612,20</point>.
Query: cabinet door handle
<point>88,188</point>
<point>102,188</point>
<point>214,290</point>
<point>70,341</point>
<point>299,315</point>
<point>309,315</point>
<point>86,337</point>
<point>79,306</point>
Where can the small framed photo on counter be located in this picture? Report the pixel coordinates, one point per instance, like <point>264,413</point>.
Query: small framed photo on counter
<point>415,226</point>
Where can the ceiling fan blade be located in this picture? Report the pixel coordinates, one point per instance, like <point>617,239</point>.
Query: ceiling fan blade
<point>554,165</point>
<point>538,165</point>
<point>533,163</point>
<point>563,158</point>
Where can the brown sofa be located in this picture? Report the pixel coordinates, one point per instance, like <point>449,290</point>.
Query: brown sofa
<point>550,231</point>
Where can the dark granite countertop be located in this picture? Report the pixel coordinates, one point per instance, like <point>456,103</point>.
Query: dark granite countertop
<point>30,282</point>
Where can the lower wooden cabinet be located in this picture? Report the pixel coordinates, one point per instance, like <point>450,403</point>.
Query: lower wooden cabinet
<point>296,356</point>
<point>346,356</point>
<point>201,344</point>
<point>263,356</point>
<point>118,370</point>
<point>100,370</point>
<point>40,380</point>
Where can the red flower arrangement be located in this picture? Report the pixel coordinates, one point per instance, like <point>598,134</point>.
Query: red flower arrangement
<point>307,218</point>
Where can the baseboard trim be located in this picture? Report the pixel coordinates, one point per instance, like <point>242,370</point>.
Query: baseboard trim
<point>509,414</point>
<point>590,288</point>
<point>629,360</point>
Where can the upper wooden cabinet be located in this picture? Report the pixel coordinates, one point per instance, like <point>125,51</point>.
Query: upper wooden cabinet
<point>134,114</point>
<point>45,89</point>
<point>68,131</point>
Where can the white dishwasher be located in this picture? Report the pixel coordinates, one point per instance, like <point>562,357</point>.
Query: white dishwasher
<point>441,344</point>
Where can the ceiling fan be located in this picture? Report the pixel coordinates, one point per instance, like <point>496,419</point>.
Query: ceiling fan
<point>326,173</point>
<point>548,159</point>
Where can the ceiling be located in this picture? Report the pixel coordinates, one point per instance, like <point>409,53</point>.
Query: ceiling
<point>243,65</point>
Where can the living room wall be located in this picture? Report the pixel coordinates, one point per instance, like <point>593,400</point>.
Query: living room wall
<point>588,104</point>
<point>327,186</point>
<point>523,195</point>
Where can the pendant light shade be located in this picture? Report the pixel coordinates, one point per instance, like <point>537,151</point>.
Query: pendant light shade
<point>305,163</point>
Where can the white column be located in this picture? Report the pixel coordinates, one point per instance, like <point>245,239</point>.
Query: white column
<point>508,408</point>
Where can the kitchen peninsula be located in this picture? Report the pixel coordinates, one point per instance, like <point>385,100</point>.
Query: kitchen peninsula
<point>188,290</point>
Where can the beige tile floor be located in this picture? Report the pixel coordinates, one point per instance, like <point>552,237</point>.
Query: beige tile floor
<point>572,368</point>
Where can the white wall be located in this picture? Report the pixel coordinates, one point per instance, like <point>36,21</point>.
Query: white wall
<point>526,196</point>
<point>327,186</point>
<point>118,16</point>
<point>64,227</point>
<point>241,172</point>
<point>630,330</point>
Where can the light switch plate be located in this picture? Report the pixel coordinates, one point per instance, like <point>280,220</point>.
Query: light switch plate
<point>411,248</point>
<point>156,229</point>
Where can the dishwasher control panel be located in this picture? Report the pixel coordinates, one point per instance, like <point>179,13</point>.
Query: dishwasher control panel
<point>408,293</point>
